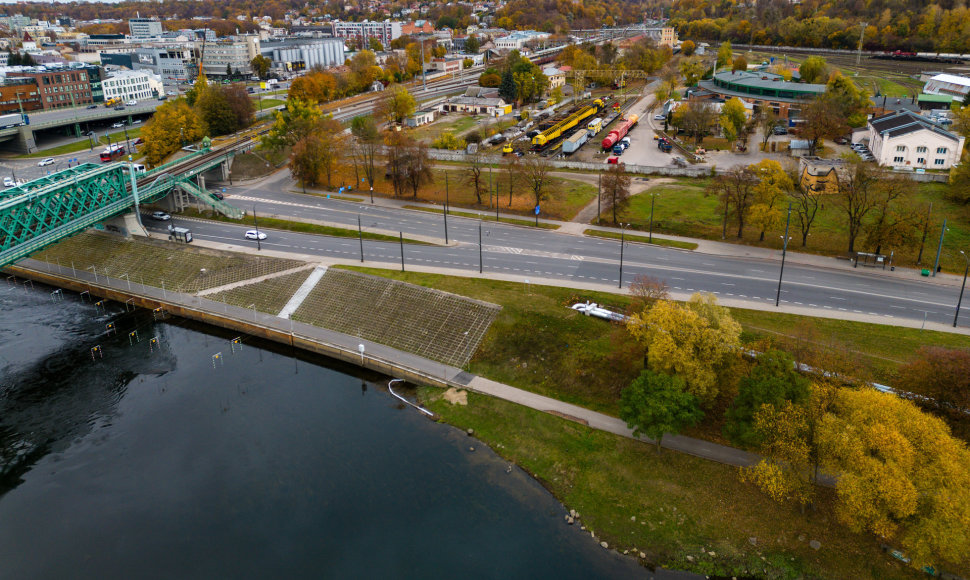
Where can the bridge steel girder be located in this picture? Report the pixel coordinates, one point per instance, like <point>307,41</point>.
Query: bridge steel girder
<point>45,215</point>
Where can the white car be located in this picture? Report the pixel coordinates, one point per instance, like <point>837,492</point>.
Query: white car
<point>47,161</point>
<point>9,182</point>
<point>161,216</point>
<point>118,125</point>
<point>659,117</point>
<point>255,235</point>
<point>131,103</point>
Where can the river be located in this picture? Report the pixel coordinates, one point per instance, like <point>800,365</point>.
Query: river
<point>188,456</point>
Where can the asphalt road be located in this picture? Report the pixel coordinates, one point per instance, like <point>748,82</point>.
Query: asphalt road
<point>546,254</point>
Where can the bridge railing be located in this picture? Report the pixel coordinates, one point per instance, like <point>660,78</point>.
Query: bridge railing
<point>174,162</point>
<point>206,197</point>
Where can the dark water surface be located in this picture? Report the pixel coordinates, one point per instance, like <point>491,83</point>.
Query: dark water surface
<point>158,461</point>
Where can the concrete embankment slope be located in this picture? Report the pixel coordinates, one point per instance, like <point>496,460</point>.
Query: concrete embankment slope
<point>346,348</point>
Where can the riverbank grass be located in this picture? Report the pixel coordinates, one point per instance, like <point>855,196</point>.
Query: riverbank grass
<point>680,511</point>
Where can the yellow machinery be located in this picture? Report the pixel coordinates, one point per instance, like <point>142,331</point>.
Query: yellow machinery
<point>507,149</point>
<point>556,131</point>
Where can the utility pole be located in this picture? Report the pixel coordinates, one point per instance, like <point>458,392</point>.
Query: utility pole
<point>784,250</point>
<point>939,248</point>
<point>926,225</point>
<point>424,75</point>
<point>862,35</point>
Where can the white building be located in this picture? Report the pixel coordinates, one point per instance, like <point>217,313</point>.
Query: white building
<point>132,85</point>
<point>517,40</point>
<point>556,77</point>
<point>235,55</point>
<point>305,54</point>
<point>944,84</point>
<point>385,31</point>
<point>905,139</point>
<point>145,27</point>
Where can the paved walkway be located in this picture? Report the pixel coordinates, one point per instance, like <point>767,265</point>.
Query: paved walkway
<point>378,356</point>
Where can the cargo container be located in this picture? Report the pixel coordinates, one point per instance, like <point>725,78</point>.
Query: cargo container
<point>575,141</point>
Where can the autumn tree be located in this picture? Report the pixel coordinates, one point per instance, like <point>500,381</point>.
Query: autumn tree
<point>306,160</point>
<point>739,63</point>
<point>940,374</point>
<point>772,186</point>
<point>852,101</point>
<point>332,146</point>
<point>408,164</point>
<point>696,119</point>
<point>862,193</point>
<point>367,146</point>
<point>395,104</point>
<point>261,66</point>
<point>656,404</point>
<point>902,475</point>
<point>734,120</point>
<point>688,47</point>
<point>694,341</point>
<point>615,189</point>
<point>724,54</point>
<point>813,70</point>
<point>773,381</point>
<point>692,69</point>
<point>291,125</point>
<point>824,119</point>
<point>174,124</point>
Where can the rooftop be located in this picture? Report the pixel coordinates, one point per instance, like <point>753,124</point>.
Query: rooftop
<point>905,122</point>
<point>954,79</point>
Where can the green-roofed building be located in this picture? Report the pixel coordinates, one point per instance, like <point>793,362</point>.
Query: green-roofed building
<point>762,89</point>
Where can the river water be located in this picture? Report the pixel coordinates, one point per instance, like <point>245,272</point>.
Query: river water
<point>157,459</point>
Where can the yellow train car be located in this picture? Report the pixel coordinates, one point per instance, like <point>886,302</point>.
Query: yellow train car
<point>556,131</point>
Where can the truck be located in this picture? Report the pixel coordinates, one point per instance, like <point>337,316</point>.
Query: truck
<point>13,120</point>
<point>618,149</point>
<point>664,145</point>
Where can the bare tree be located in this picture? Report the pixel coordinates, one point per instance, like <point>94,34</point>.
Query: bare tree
<point>474,174</point>
<point>397,160</point>
<point>418,166</point>
<point>367,146</point>
<point>536,171</point>
<point>805,202</point>
<point>735,189</point>
<point>896,222</point>
<point>857,196</point>
<point>512,171</point>
<point>332,146</point>
<point>615,189</point>
<point>766,121</point>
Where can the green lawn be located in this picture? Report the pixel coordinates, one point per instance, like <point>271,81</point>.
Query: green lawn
<point>267,103</point>
<point>486,216</point>
<point>456,125</point>
<point>683,209</point>
<point>682,512</point>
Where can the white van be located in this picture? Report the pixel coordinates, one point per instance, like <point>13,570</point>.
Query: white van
<point>138,168</point>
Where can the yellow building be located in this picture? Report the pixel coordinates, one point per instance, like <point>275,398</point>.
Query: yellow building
<point>822,175</point>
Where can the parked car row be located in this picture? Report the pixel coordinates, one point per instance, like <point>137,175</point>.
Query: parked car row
<point>862,150</point>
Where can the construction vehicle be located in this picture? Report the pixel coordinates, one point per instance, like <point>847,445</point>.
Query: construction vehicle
<point>507,149</point>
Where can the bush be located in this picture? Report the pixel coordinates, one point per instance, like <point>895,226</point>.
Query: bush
<point>473,137</point>
<point>449,141</point>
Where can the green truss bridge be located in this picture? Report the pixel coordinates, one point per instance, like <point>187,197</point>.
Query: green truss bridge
<point>46,210</point>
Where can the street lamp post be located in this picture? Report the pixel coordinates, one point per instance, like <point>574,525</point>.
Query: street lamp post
<point>653,197</point>
<point>784,251</point>
<point>256,225</point>
<point>939,248</point>
<point>960,300</point>
<point>622,231</point>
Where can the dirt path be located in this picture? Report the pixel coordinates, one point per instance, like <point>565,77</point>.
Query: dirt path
<point>637,187</point>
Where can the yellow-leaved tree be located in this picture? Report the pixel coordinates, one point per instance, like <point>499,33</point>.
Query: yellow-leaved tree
<point>773,185</point>
<point>693,340</point>
<point>903,476</point>
<point>174,124</point>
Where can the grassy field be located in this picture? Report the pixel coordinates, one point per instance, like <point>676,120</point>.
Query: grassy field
<point>539,344</point>
<point>683,209</point>
<point>456,125</point>
<point>565,196</point>
<point>681,511</point>
<point>264,103</point>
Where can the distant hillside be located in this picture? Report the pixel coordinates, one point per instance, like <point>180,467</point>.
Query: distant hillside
<point>909,25</point>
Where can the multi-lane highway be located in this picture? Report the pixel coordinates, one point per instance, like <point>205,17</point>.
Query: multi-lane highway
<point>549,255</point>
